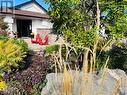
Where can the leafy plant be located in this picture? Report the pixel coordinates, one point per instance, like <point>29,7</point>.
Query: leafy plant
<point>31,77</point>
<point>84,38</point>
<point>22,44</point>
<point>72,21</point>
<point>118,57</point>
<point>10,55</point>
<point>79,23</point>
<point>3,84</point>
<point>114,17</point>
<point>4,38</point>
<point>101,59</point>
<point>37,88</point>
<point>50,49</point>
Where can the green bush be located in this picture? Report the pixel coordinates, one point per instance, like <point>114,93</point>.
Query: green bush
<point>50,49</point>
<point>10,55</point>
<point>22,44</point>
<point>101,58</point>
<point>118,57</point>
<point>81,37</point>
<point>2,37</point>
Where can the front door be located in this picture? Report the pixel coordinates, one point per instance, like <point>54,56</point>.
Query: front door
<point>24,27</point>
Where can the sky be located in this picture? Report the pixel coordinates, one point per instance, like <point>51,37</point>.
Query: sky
<point>41,2</point>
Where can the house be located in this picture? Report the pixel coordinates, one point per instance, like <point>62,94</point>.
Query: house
<point>26,18</point>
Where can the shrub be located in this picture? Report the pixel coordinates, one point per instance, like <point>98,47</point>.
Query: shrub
<point>22,44</point>
<point>50,49</point>
<point>81,37</point>
<point>3,85</point>
<point>4,38</point>
<point>101,58</point>
<point>10,55</point>
<point>118,57</point>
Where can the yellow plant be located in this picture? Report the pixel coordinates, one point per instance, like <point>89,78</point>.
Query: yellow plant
<point>10,55</point>
<point>3,85</point>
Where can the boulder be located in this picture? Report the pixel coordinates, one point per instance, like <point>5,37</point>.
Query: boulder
<point>110,82</point>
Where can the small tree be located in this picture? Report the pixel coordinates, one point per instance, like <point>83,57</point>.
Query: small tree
<point>72,21</point>
<point>78,21</point>
<point>72,18</point>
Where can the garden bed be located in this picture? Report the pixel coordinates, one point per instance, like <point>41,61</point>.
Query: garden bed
<point>30,78</point>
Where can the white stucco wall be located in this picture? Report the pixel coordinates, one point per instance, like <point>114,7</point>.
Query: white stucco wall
<point>46,24</point>
<point>41,23</point>
<point>32,7</point>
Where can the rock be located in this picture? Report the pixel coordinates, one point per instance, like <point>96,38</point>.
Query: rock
<point>110,82</point>
<point>123,81</point>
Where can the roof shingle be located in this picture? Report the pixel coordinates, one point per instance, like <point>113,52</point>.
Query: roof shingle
<point>24,13</point>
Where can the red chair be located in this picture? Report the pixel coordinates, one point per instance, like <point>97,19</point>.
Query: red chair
<point>37,40</point>
<point>44,41</point>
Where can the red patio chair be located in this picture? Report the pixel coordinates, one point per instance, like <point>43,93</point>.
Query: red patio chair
<point>37,40</point>
<point>44,41</point>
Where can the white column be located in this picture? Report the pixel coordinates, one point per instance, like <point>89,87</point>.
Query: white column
<point>9,20</point>
<point>34,26</point>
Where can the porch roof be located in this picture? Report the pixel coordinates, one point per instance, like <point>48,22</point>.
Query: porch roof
<point>24,13</point>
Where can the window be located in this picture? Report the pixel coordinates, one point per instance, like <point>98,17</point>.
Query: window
<point>6,5</point>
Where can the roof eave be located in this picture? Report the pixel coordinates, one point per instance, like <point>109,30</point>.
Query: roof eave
<point>32,1</point>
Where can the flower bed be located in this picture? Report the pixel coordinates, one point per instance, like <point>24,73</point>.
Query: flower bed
<point>30,78</point>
